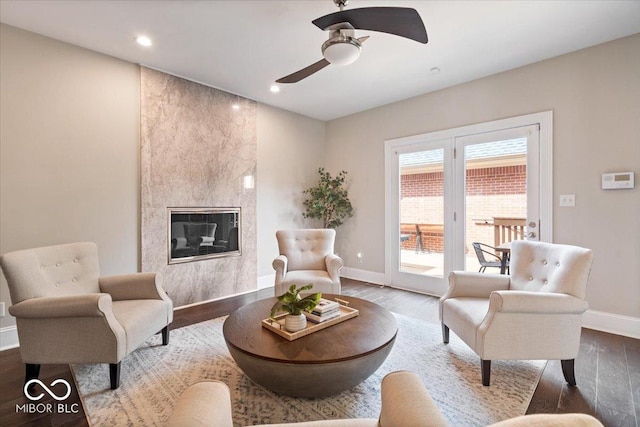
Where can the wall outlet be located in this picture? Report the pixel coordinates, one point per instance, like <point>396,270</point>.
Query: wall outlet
<point>359,258</point>
<point>2,309</point>
<point>568,200</point>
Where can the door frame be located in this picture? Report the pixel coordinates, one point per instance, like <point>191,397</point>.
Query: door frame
<point>391,148</point>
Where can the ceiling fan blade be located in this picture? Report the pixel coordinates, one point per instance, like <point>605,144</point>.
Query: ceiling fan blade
<point>362,39</point>
<point>400,21</point>
<point>304,73</point>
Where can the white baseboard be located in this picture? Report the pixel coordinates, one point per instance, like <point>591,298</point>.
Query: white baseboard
<point>9,338</point>
<point>212,300</point>
<point>266,281</point>
<point>612,323</point>
<point>362,275</point>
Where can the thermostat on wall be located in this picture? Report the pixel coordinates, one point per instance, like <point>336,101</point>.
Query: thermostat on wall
<point>615,181</point>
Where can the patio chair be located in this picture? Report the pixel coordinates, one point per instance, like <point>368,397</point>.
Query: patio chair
<point>419,245</point>
<point>481,249</point>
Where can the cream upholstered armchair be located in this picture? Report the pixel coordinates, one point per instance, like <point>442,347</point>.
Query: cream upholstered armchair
<point>66,313</point>
<point>306,257</point>
<point>535,313</point>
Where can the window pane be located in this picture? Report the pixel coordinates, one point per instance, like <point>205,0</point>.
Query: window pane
<point>422,213</point>
<point>495,199</point>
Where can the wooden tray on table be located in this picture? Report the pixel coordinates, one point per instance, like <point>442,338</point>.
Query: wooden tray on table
<point>276,325</point>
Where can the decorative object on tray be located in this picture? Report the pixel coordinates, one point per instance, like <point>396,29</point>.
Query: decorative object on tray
<point>277,324</point>
<point>323,311</point>
<point>292,303</point>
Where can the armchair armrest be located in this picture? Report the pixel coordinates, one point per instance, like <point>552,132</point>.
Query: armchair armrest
<point>334,263</point>
<point>406,402</point>
<point>551,420</point>
<point>181,242</point>
<point>536,302</point>
<point>207,241</point>
<point>475,285</point>
<point>85,305</point>
<point>204,404</point>
<point>280,265</point>
<point>133,286</point>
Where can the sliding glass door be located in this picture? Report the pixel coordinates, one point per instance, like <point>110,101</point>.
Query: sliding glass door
<point>450,201</point>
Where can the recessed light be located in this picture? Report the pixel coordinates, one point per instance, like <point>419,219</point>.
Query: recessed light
<point>143,41</point>
<point>274,88</point>
<point>236,106</point>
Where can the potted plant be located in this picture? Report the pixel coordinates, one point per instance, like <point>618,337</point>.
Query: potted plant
<point>329,200</point>
<point>293,304</point>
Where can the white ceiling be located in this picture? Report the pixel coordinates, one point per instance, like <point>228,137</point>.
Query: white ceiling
<point>244,46</point>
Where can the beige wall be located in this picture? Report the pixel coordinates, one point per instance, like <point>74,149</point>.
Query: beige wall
<point>594,95</point>
<point>69,150</point>
<point>290,150</point>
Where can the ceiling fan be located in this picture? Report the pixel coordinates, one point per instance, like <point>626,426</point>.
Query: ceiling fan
<point>343,47</point>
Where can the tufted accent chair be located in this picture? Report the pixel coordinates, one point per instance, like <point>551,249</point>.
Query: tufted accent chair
<point>536,313</point>
<point>67,313</point>
<point>306,257</point>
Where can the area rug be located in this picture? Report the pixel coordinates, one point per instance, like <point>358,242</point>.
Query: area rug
<point>154,376</point>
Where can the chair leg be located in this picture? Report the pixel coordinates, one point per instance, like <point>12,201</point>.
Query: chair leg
<point>445,334</point>
<point>32,371</point>
<point>568,371</point>
<point>114,375</point>
<point>165,335</point>
<point>486,372</point>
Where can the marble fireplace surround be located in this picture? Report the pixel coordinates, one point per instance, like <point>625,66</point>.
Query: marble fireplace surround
<point>196,152</point>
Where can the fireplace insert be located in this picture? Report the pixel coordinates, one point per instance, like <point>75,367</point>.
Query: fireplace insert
<point>202,233</point>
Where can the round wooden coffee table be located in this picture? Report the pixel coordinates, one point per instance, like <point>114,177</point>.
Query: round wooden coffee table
<point>323,363</point>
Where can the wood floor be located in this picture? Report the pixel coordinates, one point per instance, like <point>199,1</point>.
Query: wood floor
<point>607,368</point>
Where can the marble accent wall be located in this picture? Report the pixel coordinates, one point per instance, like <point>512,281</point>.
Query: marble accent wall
<point>195,152</point>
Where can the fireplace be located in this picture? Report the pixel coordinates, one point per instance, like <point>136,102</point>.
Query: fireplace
<point>196,234</point>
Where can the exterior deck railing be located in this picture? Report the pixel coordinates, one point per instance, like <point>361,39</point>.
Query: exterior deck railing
<point>507,229</point>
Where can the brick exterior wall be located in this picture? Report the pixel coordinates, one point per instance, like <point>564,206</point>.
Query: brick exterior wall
<point>490,192</point>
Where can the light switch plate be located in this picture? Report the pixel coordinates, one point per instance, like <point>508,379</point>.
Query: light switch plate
<point>568,200</point>
<point>2,309</point>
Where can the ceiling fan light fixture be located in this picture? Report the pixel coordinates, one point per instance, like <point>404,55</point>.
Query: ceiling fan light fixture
<point>341,50</point>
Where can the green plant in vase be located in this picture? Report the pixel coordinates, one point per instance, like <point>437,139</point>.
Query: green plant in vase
<point>292,303</point>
